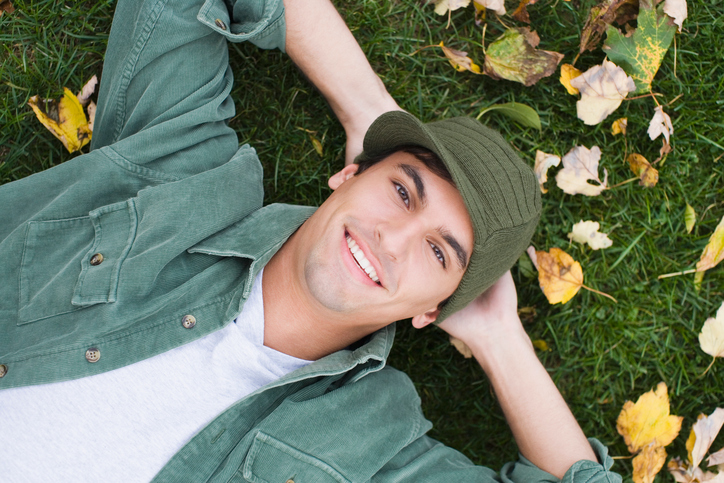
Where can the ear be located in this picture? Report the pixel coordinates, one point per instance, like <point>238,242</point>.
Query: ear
<point>422,320</point>
<point>341,176</point>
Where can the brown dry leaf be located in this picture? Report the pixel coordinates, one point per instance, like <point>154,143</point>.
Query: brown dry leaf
<point>648,463</point>
<point>603,88</point>
<point>660,124</point>
<point>65,119</point>
<point>676,9</point>
<point>619,126</point>
<point>462,347</point>
<point>569,72</point>
<point>587,232</point>
<point>543,161</point>
<point>497,6</point>
<point>87,91</point>
<point>714,250</point>
<point>648,422</point>
<point>711,337</point>
<point>579,166</point>
<point>6,6</point>
<point>444,6</point>
<point>514,56</point>
<point>641,167</point>
<point>460,60</point>
<point>520,13</point>
<point>603,15</point>
<point>706,430</point>
<point>559,275</point>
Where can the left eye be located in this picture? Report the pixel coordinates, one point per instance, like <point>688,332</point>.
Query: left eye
<point>403,194</point>
<point>438,253</point>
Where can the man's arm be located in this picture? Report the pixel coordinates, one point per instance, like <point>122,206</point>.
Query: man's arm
<point>543,426</point>
<point>320,43</point>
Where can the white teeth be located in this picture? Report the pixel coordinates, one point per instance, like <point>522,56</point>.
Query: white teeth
<point>362,260</point>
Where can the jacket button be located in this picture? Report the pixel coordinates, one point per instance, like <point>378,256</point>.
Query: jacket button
<point>220,23</point>
<point>188,321</point>
<point>96,259</point>
<point>3,370</point>
<point>92,354</point>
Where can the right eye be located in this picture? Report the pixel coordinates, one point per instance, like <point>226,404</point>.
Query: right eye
<point>402,192</point>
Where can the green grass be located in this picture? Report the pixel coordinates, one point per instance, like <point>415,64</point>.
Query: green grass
<point>601,353</point>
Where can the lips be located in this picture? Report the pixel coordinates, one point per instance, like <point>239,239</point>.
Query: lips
<point>361,259</point>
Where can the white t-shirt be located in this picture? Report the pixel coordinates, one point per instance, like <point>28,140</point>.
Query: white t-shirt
<point>124,425</point>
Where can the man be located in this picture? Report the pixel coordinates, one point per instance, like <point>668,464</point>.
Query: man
<point>159,323</point>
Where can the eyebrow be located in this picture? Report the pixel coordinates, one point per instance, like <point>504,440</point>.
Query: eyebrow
<point>414,174</point>
<point>462,255</point>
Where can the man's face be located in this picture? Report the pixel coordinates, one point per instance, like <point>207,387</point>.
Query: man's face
<point>388,244</point>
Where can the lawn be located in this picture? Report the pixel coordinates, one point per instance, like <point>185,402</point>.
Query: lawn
<point>600,353</point>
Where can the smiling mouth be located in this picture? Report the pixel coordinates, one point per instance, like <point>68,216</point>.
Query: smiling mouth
<point>361,260</point>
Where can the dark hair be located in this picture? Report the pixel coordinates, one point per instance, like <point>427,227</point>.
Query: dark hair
<point>431,161</point>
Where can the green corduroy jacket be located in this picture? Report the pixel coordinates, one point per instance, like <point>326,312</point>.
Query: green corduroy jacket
<point>104,257</point>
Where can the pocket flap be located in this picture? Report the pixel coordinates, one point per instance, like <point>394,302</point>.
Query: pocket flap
<point>270,460</point>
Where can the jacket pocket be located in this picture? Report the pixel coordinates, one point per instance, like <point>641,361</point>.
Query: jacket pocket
<point>270,460</point>
<point>72,263</point>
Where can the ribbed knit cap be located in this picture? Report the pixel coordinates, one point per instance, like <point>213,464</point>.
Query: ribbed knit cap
<point>500,190</point>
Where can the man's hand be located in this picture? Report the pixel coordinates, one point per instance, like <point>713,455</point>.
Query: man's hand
<point>320,43</point>
<point>544,428</point>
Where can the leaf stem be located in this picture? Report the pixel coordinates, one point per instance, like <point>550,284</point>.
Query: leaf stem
<point>599,293</point>
<point>676,274</point>
<point>622,183</point>
<point>713,359</point>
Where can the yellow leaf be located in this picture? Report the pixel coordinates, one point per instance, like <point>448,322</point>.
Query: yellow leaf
<point>641,167</point>
<point>569,72</point>
<point>648,422</point>
<point>689,218</point>
<point>691,440</point>
<point>462,347</point>
<point>460,60</point>
<point>714,250</point>
<point>559,275</point>
<point>444,6</point>
<point>648,463</point>
<point>541,345</point>
<point>619,126</point>
<point>317,145</point>
<point>65,120</point>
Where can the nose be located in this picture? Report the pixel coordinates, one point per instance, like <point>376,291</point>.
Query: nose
<point>397,237</point>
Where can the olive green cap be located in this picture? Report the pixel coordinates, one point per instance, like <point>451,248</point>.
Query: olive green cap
<point>500,190</point>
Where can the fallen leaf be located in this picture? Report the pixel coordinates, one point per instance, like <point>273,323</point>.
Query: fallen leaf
<point>648,422</point>
<point>514,57</point>
<point>460,60</point>
<point>714,250</point>
<point>603,15</point>
<point>619,126</point>
<point>716,458</point>
<point>541,345</point>
<point>679,470</point>
<point>543,161</point>
<point>569,72</point>
<point>689,218</point>
<point>317,145</point>
<point>603,88</point>
<point>579,166</point>
<point>444,6</point>
<point>676,9</point>
<point>660,124</point>
<point>520,13</point>
<point>683,472</point>
<point>91,114</point>
<point>462,347</point>
<point>6,6</point>
<point>87,91</point>
<point>497,6</point>
<point>641,167</point>
<point>559,275</point>
<point>65,119</point>
<point>711,337</point>
<point>648,463</point>
<point>587,232</point>
<point>525,115</point>
<point>706,430</point>
<point>641,53</point>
